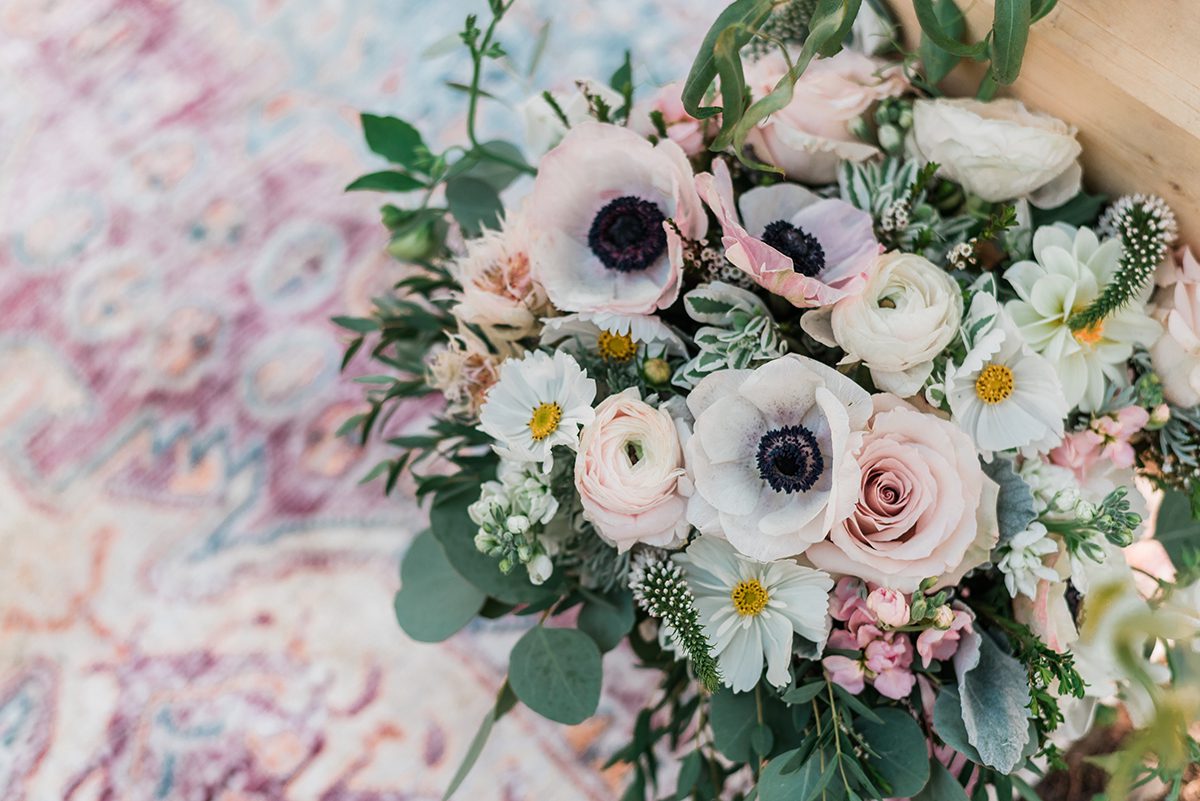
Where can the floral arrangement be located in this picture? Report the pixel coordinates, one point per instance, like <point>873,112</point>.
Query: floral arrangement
<point>823,392</point>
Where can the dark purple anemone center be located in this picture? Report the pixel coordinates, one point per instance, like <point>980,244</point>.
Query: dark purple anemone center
<point>789,459</point>
<point>806,253</point>
<point>627,235</point>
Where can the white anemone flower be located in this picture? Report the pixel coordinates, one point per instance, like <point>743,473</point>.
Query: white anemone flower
<point>606,217</point>
<point>1071,267</point>
<point>770,454</point>
<point>539,402</point>
<point>1003,394</point>
<point>751,610</point>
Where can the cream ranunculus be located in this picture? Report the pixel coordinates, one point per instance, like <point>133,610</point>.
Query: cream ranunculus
<point>811,135</point>
<point>906,315</point>
<point>769,455</point>
<point>999,150</point>
<point>1176,354</point>
<point>925,508</point>
<point>630,476</point>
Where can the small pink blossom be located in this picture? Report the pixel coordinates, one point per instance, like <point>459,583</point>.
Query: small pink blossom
<point>846,598</point>
<point>1079,452</point>
<point>682,128</point>
<point>889,606</point>
<point>846,672</point>
<point>890,659</point>
<point>1116,431</point>
<point>942,644</point>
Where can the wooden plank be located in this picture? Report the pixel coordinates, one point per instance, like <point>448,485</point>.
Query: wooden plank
<point>1127,74</point>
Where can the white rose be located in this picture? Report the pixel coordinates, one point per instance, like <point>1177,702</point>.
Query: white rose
<point>999,150</point>
<point>544,128</point>
<point>907,314</point>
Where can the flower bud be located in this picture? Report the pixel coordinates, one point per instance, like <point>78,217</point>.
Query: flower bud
<point>518,524</point>
<point>540,568</point>
<point>889,606</point>
<point>943,617</point>
<point>656,371</point>
<point>858,126</point>
<point>414,245</point>
<point>1159,417</point>
<point>891,139</point>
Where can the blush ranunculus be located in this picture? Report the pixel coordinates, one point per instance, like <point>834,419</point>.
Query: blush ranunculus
<point>629,472</point>
<point>809,136</point>
<point>925,508</point>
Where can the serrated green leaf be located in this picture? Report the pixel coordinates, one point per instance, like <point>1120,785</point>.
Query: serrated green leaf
<point>556,673</point>
<point>395,140</point>
<point>1010,33</point>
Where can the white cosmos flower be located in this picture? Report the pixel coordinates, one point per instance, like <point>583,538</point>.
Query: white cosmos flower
<point>614,337</point>
<point>540,401</point>
<point>750,610</point>
<point>606,216</point>
<point>1003,394</point>
<point>770,454</point>
<point>1070,270</point>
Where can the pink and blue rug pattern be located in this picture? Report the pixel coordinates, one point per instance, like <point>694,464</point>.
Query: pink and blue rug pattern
<point>195,593</point>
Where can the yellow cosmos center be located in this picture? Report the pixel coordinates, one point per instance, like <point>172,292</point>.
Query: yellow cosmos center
<point>615,347</point>
<point>545,420</point>
<point>1090,335</point>
<point>749,597</point>
<point>994,384</point>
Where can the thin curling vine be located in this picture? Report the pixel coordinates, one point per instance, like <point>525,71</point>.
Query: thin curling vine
<point>1146,227</point>
<point>659,587</point>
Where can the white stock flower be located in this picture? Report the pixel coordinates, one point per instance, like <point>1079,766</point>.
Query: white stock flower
<point>999,150</point>
<point>1070,269</point>
<point>751,610</point>
<point>539,402</point>
<point>907,314</point>
<point>1021,560</point>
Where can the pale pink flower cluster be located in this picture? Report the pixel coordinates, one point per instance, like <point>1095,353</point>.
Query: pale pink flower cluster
<point>1107,439</point>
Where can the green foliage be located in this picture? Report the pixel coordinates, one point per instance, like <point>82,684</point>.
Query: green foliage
<point>899,750</point>
<point>607,618</point>
<point>556,673</point>
<point>942,785</point>
<point>659,587</point>
<point>434,601</point>
<point>1014,507</point>
<point>1176,526</point>
<point>505,700</point>
<point>994,691</point>
<point>1146,227</point>
<point>951,22</point>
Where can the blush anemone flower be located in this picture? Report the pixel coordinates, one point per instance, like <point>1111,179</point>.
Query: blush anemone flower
<point>606,216</point>
<point>810,250</point>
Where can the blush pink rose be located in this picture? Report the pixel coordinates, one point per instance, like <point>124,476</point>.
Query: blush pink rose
<point>811,135</point>
<point>629,471</point>
<point>925,509</point>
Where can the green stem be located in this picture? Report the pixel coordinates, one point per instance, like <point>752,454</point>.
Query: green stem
<point>837,740</point>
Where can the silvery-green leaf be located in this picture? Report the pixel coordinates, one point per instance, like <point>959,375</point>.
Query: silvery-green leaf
<point>994,691</point>
<point>1014,507</point>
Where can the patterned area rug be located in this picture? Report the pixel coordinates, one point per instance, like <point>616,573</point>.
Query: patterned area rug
<point>195,593</point>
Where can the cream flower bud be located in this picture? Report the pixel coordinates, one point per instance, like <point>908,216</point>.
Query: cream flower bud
<point>943,617</point>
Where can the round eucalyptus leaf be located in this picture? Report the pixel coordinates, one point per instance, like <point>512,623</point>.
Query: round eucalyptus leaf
<point>733,717</point>
<point>434,601</point>
<point>901,753</point>
<point>607,618</point>
<point>556,673</point>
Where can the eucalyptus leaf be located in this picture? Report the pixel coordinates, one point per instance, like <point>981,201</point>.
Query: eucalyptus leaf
<point>504,702</point>
<point>994,691</point>
<point>777,783</point>
<point>607,618</point>
<point>556,673</point>
<point>689,775</point>
<point>733,717</point>
<point>1014,507</point>
<point>434,601</point>
<point>942,785</point>
<point>900,750</point>
<point>1010,33</point>
<point>474,203</point>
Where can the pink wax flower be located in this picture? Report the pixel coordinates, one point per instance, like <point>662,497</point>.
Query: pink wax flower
<point>942,644</point>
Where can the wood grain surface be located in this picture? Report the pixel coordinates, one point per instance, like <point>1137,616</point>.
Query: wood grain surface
<point>1127,74</point>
